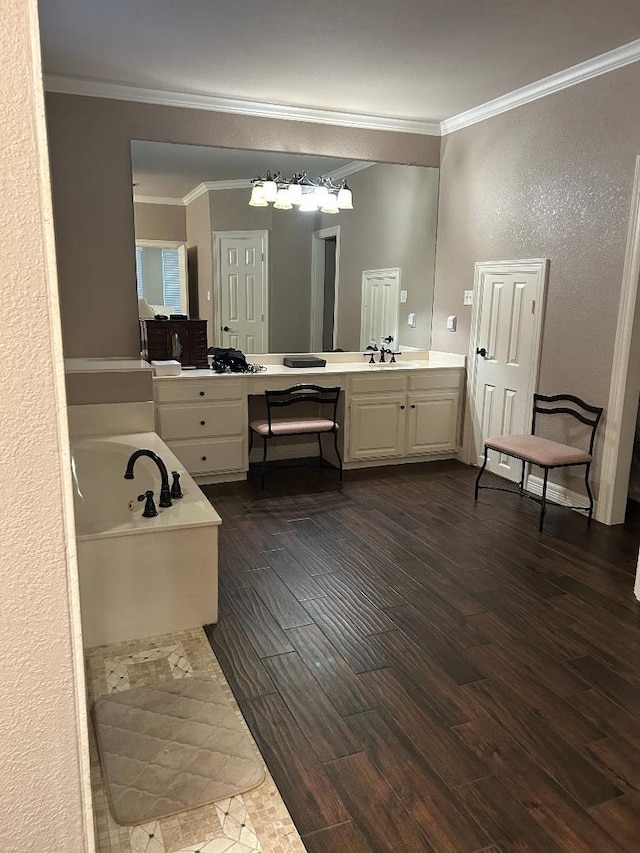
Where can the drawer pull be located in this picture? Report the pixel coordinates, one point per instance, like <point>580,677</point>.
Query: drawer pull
<point>202,423</point>
<point>402,407</point>
<point>202,393</point>
<point>204,458</point>
<point>413,405</point>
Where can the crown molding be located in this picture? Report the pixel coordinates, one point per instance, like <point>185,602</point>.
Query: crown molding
<point>156,199</point>
<point>610,61</point>
<point>195,193</point>
<point>349,169</point>
<point>240,184</point>
<point>191,100</point>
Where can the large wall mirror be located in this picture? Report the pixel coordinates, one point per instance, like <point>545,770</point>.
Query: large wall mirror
<point>285,280</point>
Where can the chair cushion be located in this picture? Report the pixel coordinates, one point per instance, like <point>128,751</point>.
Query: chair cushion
<point>540,451</point>
<point>290,426</point>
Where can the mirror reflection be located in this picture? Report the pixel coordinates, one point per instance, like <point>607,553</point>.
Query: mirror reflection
<point>281,277</point>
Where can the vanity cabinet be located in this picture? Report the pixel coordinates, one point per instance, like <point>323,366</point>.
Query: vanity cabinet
<point>204,423</point>
<point>404,415</point>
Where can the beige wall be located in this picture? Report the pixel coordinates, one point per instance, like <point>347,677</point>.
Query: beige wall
<point>160,222</point>
<point>91,170</point>
<point>550,179</point>
<point>42,698</point>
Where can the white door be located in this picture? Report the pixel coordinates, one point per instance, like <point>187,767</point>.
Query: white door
<point>242,300</point>
<point>380,306</point>
<point>503,358</point>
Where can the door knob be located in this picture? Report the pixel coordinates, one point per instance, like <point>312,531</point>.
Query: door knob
<point>482,351</point>
<point>225,329</point>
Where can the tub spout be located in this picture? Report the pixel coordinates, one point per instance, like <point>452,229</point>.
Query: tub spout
<point>165,494</point>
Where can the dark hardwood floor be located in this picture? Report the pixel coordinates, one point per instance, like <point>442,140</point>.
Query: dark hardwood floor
<point>426,673</point>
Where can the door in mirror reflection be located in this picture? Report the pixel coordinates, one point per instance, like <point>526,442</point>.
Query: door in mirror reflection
<point>243,308</point>
<point>380,306</point>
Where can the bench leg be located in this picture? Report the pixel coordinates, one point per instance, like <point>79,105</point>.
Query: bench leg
<point>481,472</point>
<point>521,486</point>
<point>264,461</point>
<point>586,482</point>
<point>543,502</point>
<point>335,444</point>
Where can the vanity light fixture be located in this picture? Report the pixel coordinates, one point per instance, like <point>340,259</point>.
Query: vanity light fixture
<point>301,192</point>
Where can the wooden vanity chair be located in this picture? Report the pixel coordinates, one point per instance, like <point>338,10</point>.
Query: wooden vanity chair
<point>543,452</point>
<point>297,395</point>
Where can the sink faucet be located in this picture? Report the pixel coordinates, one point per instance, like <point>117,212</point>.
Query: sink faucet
<point>165,494</point>
<point>384,350</point>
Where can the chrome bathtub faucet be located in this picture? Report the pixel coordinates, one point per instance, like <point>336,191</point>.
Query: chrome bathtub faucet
<point>165,494</point>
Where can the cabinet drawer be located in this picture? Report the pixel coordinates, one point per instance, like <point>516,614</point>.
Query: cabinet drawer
<point>224,418</point>
<point>214,456</point>
<point>372,384</point>
<point>434,379</point>
<point>181,390</point>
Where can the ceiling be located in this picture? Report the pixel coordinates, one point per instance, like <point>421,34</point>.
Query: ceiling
<point>166,170</point>
<point>420,60</point>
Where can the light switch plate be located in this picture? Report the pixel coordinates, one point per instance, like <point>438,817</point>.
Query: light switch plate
<point>452,323</point>
<point>468,297</point>
<point>411,320</point>
<point>403,296</point>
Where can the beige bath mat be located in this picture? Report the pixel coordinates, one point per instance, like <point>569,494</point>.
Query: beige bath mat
<point>172,747</point>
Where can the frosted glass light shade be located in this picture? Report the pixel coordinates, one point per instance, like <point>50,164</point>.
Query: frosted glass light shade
<point>330,205</point>
<point>345,199</point>
<point>270,189</point>
<point>320,195</point>
<point>295,193</point>
<point>257,197</point>
<point>308,203</point>
<point>283,201</point>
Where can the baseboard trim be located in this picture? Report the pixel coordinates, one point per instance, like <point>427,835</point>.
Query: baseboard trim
<point>559,494</point>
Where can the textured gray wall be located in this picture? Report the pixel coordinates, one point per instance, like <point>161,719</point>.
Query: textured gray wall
<point>550,179</point>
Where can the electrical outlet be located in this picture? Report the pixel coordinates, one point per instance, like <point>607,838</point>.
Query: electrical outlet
<point>468,297</point>
<point>403,296</point>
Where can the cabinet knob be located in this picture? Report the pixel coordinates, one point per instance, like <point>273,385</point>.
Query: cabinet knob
<point>402,407</point>
<point>413,405</point>
<point>204,458</point>
<point>202,423</point>
<point>202,393</point>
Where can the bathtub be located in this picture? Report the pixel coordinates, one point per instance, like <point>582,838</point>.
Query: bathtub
<point>140,576</point>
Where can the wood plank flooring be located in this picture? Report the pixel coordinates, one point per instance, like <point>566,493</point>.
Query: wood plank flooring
<point>424,673</point>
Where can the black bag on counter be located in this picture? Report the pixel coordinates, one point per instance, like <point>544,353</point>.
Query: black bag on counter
<point>230,360</point>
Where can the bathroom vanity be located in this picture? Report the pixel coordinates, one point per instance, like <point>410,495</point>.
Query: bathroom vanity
<point>409,411</point>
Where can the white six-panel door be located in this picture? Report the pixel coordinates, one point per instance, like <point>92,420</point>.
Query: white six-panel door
<point>504,354</point>
<point>380,306</point>
<point>242,300</point>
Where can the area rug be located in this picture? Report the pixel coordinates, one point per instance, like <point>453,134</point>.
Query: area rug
<point>172,747</point>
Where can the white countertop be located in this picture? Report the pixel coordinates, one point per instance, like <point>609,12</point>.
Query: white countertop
<point>338,363</point>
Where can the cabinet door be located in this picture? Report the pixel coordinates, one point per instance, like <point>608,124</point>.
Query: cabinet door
<point>433,422</point>
<point>377,426</point>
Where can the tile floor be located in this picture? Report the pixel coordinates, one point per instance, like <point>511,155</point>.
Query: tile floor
<point>254,822</point>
